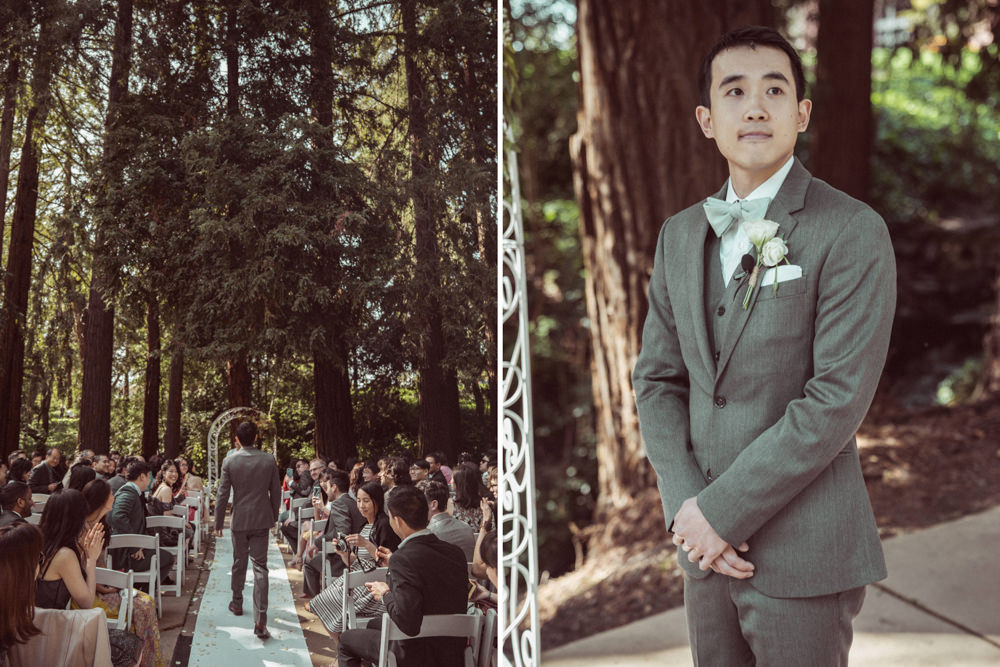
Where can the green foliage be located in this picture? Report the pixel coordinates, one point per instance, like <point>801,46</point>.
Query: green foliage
<point>935,146</point>
<point>960,385</point>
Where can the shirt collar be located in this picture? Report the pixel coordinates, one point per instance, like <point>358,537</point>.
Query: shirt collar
<point>412,535</point>
<point>766,190</point>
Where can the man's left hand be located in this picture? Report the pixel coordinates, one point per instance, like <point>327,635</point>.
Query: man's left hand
<point>378,588</point>
<point>695,533</point>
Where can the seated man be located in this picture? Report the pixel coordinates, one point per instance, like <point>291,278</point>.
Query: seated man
<point>128,516</point>
<point>444,525</point>
<point>344,518</point>
<point>15,502</point>
<point>45,477</point>
<point>20,469</point>
<point>426,576</point>
<point>305,486</point>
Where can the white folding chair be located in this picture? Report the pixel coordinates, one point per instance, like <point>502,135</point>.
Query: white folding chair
<point>125,581</point>
<point>304,514</point>
<point>354,580</point>
<point>326,550</point>
<point>436,625</point>
<point>196,504</point>
<point>488,641</point>
<point>150,544</point>
<point>296,504</point>
<point>179,551</point>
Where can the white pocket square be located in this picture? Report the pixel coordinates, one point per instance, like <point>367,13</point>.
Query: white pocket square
<point>780,274</point>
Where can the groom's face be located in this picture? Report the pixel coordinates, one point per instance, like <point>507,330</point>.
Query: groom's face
<point>755,117</point>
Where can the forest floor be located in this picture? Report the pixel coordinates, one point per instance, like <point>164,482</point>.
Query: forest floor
<point>921,468</point>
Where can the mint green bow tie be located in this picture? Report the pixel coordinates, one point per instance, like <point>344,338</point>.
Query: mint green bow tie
<point>721,213</point>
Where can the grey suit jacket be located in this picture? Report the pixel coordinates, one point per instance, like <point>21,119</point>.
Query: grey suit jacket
<point>254,479</point>
<point>765,435</point>
<point>450,529</point>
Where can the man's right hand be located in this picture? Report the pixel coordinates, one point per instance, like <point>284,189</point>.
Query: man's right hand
<point>138,555</point>
<point>732,565</point>
<point>53,485</point>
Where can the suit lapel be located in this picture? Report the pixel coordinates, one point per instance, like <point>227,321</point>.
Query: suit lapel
<point>695,250</point>
<point>790,199</point>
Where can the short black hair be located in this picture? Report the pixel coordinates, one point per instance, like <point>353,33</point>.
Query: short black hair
<point>18,468</point>
<point>124,463</point>
<point>246,433</point>
<point>48,452</point>
<point>434,490</point>
<point>751,36</point>
<point>421,463</point>
<point>439,458</point>
<point>410,505</point>
<point>340,478</point>
<point>10,492</point>
<point>136,469</point>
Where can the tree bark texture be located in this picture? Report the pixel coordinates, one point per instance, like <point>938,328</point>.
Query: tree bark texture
<point>841,128</point>
<point>7,135</point>
<point>175,396</point>
<point>239,383</point>
<point>95,398</point>
<point>638,157</point>
<point>17,280</point>
<point>151,402</point>
<point>437,386</point>
<point>334,434</point>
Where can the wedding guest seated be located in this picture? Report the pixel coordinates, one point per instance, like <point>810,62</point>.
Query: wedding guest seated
<point>361,554</point>
<point>15,502</point>
<point>485,563</point>
<point>369,471</point>
<point>128,515</point>
<point>444,525</point>
<point>20,545</point>
<point>290,527</point>
<point>436,460</point>
<point>419,470</point>
<point>468,493</point>
<point>426,576</point>
<point>80,476</point>
<point>20,469</point>
<point>189,480</point>
<point>104,467</point>
<point>37,456</point>
<point>144,624</point>
<point>118,481</point>
<point>84,457</point>
<point>167,491</point>
<point>481,565</point>
<point>343,517</point>
<point>396,474</point>
<point>45,477</point>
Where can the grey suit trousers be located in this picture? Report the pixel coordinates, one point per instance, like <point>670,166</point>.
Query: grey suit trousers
<point>252,543</point>
<point>732,624</point>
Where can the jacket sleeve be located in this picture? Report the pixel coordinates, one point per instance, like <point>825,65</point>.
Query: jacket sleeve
<point>275,490</point>
<point>340,520</point>
<point>404,601</point>
<point>123,511</point>
<point>661,384</point>
<point>222,497</point>
<point>855,306</point>
<point>38,480</point>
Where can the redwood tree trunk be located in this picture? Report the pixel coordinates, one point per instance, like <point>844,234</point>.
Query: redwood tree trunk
<point>151,403</point>
<point>95,398</point>
<point>334,434</point>
<point>175,395</point>
<point>7,135</point>
<point>437,387</point>
<point>841,128</point>
<point>638,157</point>
<point>239,383</point>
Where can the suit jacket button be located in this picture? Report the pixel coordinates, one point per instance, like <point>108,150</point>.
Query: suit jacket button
<point>720,401</point>
<point>708,474</point>
<point>717,355</point>
<point>721,311</point>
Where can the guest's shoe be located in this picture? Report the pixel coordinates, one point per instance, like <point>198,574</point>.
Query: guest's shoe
<point>260,629</point>
<point>236,608</point>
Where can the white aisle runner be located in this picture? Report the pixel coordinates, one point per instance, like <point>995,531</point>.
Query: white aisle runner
<point>222,639</point>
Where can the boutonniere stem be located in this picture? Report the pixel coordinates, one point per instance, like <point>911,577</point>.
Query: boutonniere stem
<point>771,251</point>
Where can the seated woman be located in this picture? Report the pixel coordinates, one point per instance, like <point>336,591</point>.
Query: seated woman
<point>20,544</point>
<point>99,503</point>
<point>69,562</point>
<point>189,480</point>
<point>467,496</point>
<point>362,555</point>
<point>168,490</point>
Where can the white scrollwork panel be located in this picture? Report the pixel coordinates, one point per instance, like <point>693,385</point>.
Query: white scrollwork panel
<point>518,609</point>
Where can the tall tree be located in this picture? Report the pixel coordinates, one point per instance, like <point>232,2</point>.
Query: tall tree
<point>175,394</point>
<point>638,156</point>
<point>438,383</point>
<point>95,398</point>
<point>151,394</point>
<point>841,129</point>
<point>17,279</point>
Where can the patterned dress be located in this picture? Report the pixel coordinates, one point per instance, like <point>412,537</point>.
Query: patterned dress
<point>144,623</point>
<point>327,604</point>
<point>473,517</point>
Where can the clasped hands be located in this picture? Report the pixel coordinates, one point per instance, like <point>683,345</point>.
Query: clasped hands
<point>695,535</point>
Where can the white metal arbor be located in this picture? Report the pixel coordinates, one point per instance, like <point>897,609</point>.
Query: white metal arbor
<point>519,595</point>
<point>215,429</point>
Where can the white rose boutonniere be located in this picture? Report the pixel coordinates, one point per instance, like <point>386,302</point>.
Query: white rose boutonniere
<point>771,251</point>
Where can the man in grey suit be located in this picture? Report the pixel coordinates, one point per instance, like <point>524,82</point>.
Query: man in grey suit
<point>253,477</point>
<point>761,352</point>
<point>444,525</point>
<point>346,518</point>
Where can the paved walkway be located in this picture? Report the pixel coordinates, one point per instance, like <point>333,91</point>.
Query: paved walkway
<point>221,639</point>
<point>939,606</point>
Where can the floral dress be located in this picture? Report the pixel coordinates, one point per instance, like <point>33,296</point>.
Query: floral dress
<point>473,517</point>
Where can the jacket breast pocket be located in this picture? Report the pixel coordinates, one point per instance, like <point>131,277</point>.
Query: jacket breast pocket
<point>786,290</point>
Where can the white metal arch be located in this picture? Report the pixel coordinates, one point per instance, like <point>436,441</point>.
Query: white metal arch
<point>216,428</point>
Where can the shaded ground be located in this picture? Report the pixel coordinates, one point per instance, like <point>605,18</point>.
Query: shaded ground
<point>921,468</point>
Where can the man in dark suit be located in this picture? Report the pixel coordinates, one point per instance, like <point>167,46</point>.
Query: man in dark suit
<point>15,503</point>
<point>344,518</point>
<point>426,576</point>
<point>435,460</point>
<point>128,516</point>
<point>770,309</point>
<point>45,477</point>
<point>256,485</point>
